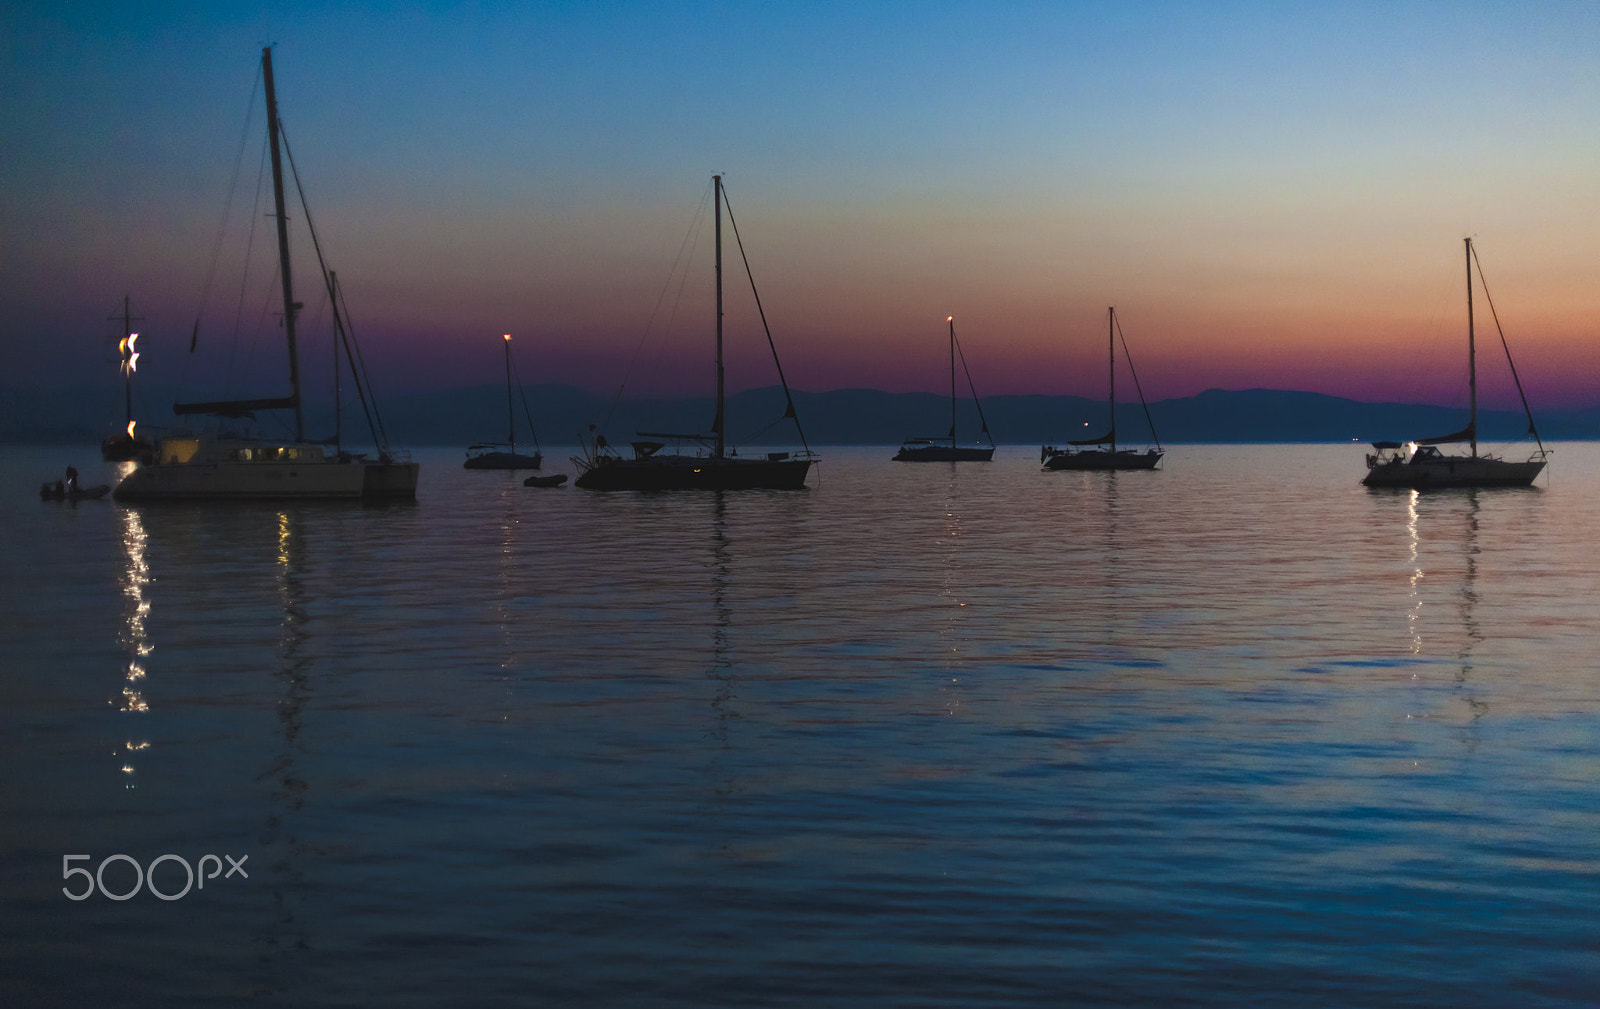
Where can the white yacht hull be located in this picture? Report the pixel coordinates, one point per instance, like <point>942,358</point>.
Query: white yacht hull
<point>245,471</point>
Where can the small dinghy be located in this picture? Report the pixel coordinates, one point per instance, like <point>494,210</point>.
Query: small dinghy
<point>553,480</point>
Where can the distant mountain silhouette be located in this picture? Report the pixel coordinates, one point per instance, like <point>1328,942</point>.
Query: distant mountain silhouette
<point>840,417</point>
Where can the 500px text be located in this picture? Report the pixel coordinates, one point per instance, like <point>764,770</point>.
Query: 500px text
<point>96,880</point>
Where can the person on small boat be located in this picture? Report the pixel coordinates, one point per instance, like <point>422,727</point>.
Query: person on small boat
<point>72,479</point>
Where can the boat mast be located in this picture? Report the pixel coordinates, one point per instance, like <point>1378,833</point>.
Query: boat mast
<point>1111,359</point>
<point>952,321</point>
<point>127,367</point>
<point>338,426</point>
<point>717,184</point>
<point>511,419</point>
<point>1472,355</point>
<point>289,305</point>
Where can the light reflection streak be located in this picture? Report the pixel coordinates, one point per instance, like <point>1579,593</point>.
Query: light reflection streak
<point>1414,617</point>
<point>284,939</point>
<point>134,634</point>
<point>952,568</point>
<point>722,671</point>
<point>1468,606</point>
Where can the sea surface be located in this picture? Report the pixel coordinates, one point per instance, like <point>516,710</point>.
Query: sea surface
<point>1239,732</point>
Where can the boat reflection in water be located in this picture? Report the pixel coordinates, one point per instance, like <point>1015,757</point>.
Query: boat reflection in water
<point>284,939</point>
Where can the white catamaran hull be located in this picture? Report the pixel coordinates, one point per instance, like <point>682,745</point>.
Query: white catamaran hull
<point>243,471</point>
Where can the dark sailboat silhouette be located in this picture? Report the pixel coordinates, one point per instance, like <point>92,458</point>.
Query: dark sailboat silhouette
<point>945,449</point>
<point>504,454</point>
<point>1420,464</point>
<point>1079,455</point>
<point>601,468</point>
<point>126,445</point>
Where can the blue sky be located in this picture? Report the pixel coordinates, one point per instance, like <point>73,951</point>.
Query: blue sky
<point>1271,195</point>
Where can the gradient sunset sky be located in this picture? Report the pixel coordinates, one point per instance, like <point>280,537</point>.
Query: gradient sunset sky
<point>1272,194</point>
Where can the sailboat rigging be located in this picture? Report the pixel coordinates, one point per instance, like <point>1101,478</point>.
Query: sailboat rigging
<point>1102,453</point>
<point>602,468</point>
<point>946,449</point>
<point>220,467</point>
<point>1420,464</point>
<point>504,454</point>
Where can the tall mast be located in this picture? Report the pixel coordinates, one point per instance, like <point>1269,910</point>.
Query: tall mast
<point>127,371</point>
<point>511,420</point>
<point>717,182</point>
<point>952,321</point>
<point>1111,363</point>
<point>1472,355</point>
<point>289,305</point>
<point>130,360</point>
<point>338,424</point>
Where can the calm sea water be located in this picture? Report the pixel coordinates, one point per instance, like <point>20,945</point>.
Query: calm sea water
<point>1239,732</point>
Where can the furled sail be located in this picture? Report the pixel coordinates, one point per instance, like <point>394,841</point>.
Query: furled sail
<point>1468,433</point>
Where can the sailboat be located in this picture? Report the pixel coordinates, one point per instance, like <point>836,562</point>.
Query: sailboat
<point>1079,455</point>
<point>602,468</point>
<point>504,455</point>
<point>1419,464</point>
<point>127,445</point>
<point>945,449</point>
<point>223,467</point>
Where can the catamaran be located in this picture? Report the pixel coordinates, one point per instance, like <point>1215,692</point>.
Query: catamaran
<point>223,467</point>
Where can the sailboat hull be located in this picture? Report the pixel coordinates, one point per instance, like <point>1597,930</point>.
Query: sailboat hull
<point>191,470</point>
<point>1454,471</point>
<point>503,460</point>
<point>943,453</point>
<point>680,472</point>
<point>1103,460</point>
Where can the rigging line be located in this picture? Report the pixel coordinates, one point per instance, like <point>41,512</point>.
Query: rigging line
<point>962,355</point>
<point>688,242</point>
<point>255,338</point>
<point>1532,428</point>
<point>788,397</point>
<point>524,396</point>
<point>249,254</point>
<point>374,421</point>
<point>358,371</point>
<point>1137,388</point>
<point>227,208</point>
<point>360,379</point>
